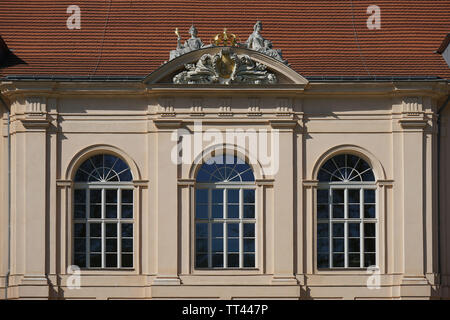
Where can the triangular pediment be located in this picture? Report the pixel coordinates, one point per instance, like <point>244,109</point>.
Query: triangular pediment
<point>225,65</point>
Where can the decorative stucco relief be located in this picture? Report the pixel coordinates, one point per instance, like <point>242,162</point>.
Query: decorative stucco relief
<point>225,68</point>
<point>412,105</point>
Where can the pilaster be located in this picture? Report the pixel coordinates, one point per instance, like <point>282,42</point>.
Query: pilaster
<point>284,242</point>
<point>35,122</point>
<point>167,206</point>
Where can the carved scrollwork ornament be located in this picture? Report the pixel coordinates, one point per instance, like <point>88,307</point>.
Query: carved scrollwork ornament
<point>225,68</point>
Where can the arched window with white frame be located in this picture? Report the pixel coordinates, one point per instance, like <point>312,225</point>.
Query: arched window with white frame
<point>103,218</point>
<point>225,216</point>
<point>346,213</point>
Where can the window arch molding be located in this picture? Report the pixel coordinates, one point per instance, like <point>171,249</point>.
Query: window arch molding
<point>91,151</point>
<point>226,149</point>
<point>362,153</point>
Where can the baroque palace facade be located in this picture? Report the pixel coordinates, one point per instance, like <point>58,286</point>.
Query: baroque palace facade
<point>223,173</point>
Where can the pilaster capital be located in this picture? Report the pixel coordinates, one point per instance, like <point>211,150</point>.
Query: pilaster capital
<point>310,183</point>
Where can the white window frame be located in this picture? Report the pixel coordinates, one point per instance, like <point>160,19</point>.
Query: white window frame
<point>330,186</point>
<point>241,220</point>
<point>119,186</point>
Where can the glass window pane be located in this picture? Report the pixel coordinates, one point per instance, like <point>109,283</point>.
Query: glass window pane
<point>217,260</point>
<point>201,196</point>
<point>353,195</point>
<point>217,196</point>
<point>338,196</point>
<point>127,245</point>
<point>233,260</point>
<point>249,196</point>
<point>249,211</point>
<point>111,245</point>
<point>201,245</point>
<point>95,230</point>
<point>127,211</point>
<point>323,211</point>
<point>353,245</point>
<point>111,211</point>
<point>338,229</point>
<point>323,245</point>
<point>369,196</point>
<point>201,261</point>
<point>249,260</point>
<point>323,176</point>
<point>233,245</point>
<point>217,211</point>
<point>323,260</point>
<point>338,245</point>
<point>369,211</point>
<point>353,230</point>
<point>368,176</point>
<point>79,211</point>
<point>338,260</point>
<point>354,260</point>
<point>338,211</point>
<point>369,229</point>
<point>201,211</point>
<point>79,245</point>
<point>352,160</point>
<point>79,230</point>
<point>111,260</point>
<point>323,230</point>
<point>127,196</point>
<point>80,260</point>
<point>247,176</point>
<point>329,166</point>
<point>249,245</point>
<point>369,259</point>
<point>322,196</point>
<point>81,176</point>
<point>109,160</point>
<point>95,196</point>
<point>203,175</point>
<point>233,229</point>
<point>80,196</point>
<point>126,175</point>
<point>95,211</point>
<point>217,230</point>
<point>249,230</point>
<point>353,211</point>
<point>233,195</point>
<point>111,195</point>
<point>111,230</point>
<point>127,260</point>
<point>127,230</point>
<point>201,230</point>
<point>339,160</point>
<point>369,245</point>
<point>95,245</point>
<point>233,211</point>
<point>95,260</point>
<point>119,165</point>
<point>217,245</point>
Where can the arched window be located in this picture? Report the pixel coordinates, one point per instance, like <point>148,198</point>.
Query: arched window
<point>346,213</point>
<point>225,215</point>
<point>103,219</point>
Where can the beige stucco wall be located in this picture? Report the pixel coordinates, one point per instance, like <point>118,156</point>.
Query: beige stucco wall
<point>52,136</point>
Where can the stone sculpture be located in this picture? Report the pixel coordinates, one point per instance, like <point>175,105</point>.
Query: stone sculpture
<point>191,44</point>
<point>257,42</point>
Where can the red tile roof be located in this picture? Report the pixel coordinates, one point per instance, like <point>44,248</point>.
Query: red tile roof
<point>133,37</point>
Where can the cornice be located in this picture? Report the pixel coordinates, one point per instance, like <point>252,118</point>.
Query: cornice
<point>435,89</point>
